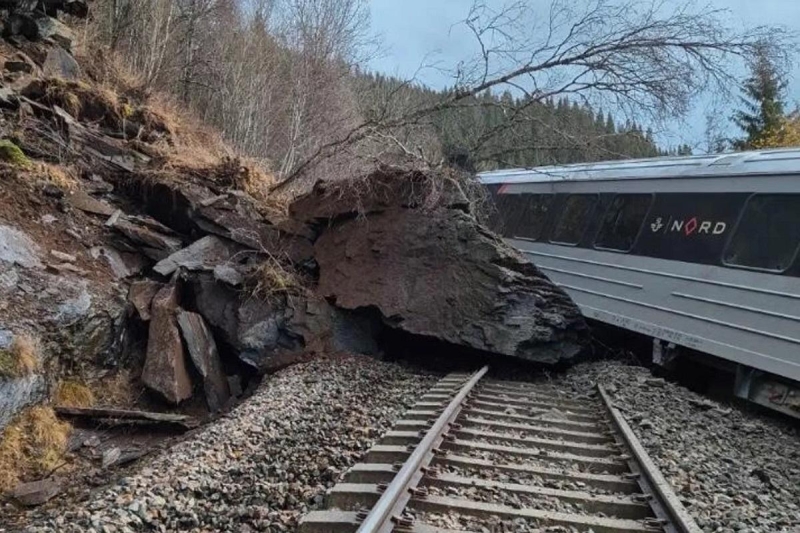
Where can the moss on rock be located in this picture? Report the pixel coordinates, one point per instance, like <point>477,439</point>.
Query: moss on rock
<point>13,154</point>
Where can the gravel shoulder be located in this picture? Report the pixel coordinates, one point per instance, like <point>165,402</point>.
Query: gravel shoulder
<point>263,465</point>
<point>735,471</point>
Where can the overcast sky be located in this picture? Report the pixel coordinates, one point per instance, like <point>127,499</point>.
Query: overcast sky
<point>427,32</point>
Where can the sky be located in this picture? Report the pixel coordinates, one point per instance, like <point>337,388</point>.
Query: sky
<point>423,38</point>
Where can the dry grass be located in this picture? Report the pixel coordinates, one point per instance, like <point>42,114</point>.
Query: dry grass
<point>73,393</point>
<point>120,389</point>
<point>59,176</point>
<point>31,446</point>
<point>271,279</point>
<point>22,358</point>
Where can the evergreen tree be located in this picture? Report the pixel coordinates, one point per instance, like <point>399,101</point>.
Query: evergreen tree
<point>763,100</point>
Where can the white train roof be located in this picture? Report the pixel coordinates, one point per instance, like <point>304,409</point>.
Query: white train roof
<point>757,163</point>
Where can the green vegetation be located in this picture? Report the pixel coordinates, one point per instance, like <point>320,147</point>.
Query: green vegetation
<point>763,114</point>
<point>11,153</point>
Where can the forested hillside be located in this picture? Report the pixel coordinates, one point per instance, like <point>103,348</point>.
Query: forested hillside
<point>494,131</point>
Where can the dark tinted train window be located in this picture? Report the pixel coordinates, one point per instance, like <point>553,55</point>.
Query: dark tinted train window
<point>574,217</point>
<point>768,233</point>
<point>512,208</point>
<point>531,221</point>
<point>623,221</point>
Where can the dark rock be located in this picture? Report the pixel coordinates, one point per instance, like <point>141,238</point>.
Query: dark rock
<point>218,304</point>
<point>235,385</point>
<point>19,65</point>
<point>259,330</point>
<point>228,274</point>
<point>8,99</point>
<point>253,233</point>
<point>122,264</point>
<point>76,8</point>
<point>326,328</point>
<point>155,245</point>
<point>141,295</point>
<point>203,352</point>
<point>388,188</point>
<point>203,254</point>
<point>60,64</point>
<point>36,492</point>
<point>439,274</point>
<point>37,26</point>
<point>16,394</point>
<point>165,369</point>
<point>51,190</point>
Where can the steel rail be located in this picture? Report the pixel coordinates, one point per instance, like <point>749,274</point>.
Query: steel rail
<point>667,506</point>
<point>397,494</point>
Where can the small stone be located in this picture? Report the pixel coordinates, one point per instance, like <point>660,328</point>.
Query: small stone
<point>61,256</point>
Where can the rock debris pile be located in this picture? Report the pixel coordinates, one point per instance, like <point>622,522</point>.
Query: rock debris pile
<point>261,466</point>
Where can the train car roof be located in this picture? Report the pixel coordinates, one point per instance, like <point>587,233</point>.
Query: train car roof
<point>756,163</point>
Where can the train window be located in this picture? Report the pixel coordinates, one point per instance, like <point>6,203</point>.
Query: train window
<point>512,210</point>
<point>531,221</point>
<point>768,233</point>
<point>623,221</point>
<point>574,218</point>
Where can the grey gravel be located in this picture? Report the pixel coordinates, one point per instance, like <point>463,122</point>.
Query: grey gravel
<point>262,466</point>
<point>735,471</point>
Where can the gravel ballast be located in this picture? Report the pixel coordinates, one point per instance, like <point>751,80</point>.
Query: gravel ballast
<point>736,472</point>
<point>263,465</point>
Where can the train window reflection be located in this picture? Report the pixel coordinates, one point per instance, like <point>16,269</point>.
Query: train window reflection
<point>531,222</point>
<point>512,208</point>
<point>768,234</point>
<point>623,221</point>
<point>574,218</point>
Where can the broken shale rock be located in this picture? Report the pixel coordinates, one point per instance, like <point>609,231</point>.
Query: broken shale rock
<point>36,492</point>
<point>432,270</point>
<point>141,295</point>
<point>165,369</point>
<point>203,254</point>
<point>203,352</point>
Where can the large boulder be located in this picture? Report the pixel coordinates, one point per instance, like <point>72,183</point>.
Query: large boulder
<point>434,271</point>
<point>165,369</point>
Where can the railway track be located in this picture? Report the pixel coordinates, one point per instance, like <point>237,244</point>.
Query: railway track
<point>490,456</point>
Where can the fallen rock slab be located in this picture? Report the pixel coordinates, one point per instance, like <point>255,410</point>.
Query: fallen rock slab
<point>125,416</point>
<point>82,201</point>
<point>203,254</point>
<point>204,355</point>
<point>36,492</point>
<point>155,245</point>
<point>165,369</point>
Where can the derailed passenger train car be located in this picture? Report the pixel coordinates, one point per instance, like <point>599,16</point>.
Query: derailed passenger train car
<point>695,252</point>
